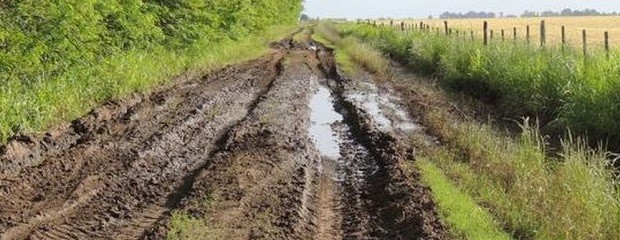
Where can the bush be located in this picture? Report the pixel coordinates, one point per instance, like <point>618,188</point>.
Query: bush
<point>47,47</point>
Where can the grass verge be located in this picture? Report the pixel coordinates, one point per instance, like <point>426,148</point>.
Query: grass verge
<point>466,218</point>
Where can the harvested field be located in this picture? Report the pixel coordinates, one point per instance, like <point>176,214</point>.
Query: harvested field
<point>282,147</point>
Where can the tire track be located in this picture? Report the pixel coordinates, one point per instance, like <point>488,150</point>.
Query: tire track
<point>131,175</point>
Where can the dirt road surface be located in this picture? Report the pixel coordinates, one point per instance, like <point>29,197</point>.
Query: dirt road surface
<point>282,147</point>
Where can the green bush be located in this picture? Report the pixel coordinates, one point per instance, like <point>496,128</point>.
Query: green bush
<point>59,57</point>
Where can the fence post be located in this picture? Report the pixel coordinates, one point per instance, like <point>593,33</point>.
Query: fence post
<point>503,36</point>
<point>491,37</point>
<point>527,34</point>
<point>445,25</point>
<point>472,36</point>
<point>585,43</point>
<point>563,38</point>
<point>543,34</point>
<point>402,26</point>
<point>421,25</point>
<point>391,23</point>
<point>485,31</point>
<point>607,43</point>
<point>514,34</point>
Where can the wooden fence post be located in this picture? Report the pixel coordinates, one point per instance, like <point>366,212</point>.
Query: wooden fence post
<point>402,26</point>
<point>445,25</point>
<point>527,34</point>
<point>543,34</point>
<point>421,25</point>
<point>485,32</point>
<point>585,43</point>
<point>514,34</point>
<point>563,37</point>
<point>491,35</point>
<point>607,43</point>
<point>503,36</point>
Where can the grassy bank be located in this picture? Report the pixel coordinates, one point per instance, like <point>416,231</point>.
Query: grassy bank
<point>532,195</point>
<point>559,88</point>
<point>59,59</point>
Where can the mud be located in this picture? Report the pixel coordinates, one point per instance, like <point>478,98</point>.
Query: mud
<point>283,147</point>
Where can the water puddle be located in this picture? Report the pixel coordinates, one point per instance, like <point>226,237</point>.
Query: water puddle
<point>383,109</point>
<point>322,118</point>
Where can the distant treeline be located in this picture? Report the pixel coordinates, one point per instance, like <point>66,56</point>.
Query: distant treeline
<point>470,14</point>
<point>565,12</point>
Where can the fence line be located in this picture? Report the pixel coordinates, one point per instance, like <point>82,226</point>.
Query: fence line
<point>488,34</point>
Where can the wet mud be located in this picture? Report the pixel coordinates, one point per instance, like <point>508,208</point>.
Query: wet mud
<point>282,147</point>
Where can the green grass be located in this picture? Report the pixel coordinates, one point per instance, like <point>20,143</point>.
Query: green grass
<point>467,219</point>
<point>34,107</point>
<point>562,89</point>
<point>530,193</point>
<point>352,53</point>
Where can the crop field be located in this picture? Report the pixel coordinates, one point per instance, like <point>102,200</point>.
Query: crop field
<point>595,27</point>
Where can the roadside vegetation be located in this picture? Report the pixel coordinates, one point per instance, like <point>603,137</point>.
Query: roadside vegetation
<point>60,58</point>
<point>561,89</point>
<point>530,192</point>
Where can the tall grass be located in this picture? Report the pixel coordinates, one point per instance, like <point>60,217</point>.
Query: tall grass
<point>562,89</point>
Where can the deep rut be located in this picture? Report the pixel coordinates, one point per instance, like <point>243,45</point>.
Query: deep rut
<point>235,149</point>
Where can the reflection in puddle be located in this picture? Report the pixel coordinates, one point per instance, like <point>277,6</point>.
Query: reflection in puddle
<point>322,117</point>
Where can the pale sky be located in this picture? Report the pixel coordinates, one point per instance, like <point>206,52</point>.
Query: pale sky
<point>422,8</point>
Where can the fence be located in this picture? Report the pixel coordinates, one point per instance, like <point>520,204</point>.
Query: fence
<point>488,34</point>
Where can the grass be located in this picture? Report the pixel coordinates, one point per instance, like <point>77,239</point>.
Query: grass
<point>594,25</point>
<point>352,53</point>
<point>562,89</point>
<point>531,193</point>
<point>467,219</point>
<point>35,106</point>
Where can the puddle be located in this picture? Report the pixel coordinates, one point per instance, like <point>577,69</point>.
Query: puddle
<point>322,117</point>
<point>380,106</point>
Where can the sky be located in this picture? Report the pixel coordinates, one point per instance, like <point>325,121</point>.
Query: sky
<point>353,9</point>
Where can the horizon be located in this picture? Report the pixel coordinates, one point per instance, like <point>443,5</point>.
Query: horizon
<point>399,9</point>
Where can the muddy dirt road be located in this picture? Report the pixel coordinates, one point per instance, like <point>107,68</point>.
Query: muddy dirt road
<point>282,147</point>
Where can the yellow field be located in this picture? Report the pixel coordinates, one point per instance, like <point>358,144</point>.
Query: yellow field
<point>595,27</point>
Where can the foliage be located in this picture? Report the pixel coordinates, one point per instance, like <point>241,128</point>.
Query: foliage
<point>59,57</point>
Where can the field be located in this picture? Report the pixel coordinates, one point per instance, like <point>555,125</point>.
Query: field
<point>595,27</point>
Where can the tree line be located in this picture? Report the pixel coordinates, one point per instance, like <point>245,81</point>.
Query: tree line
<point>565,12</point>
